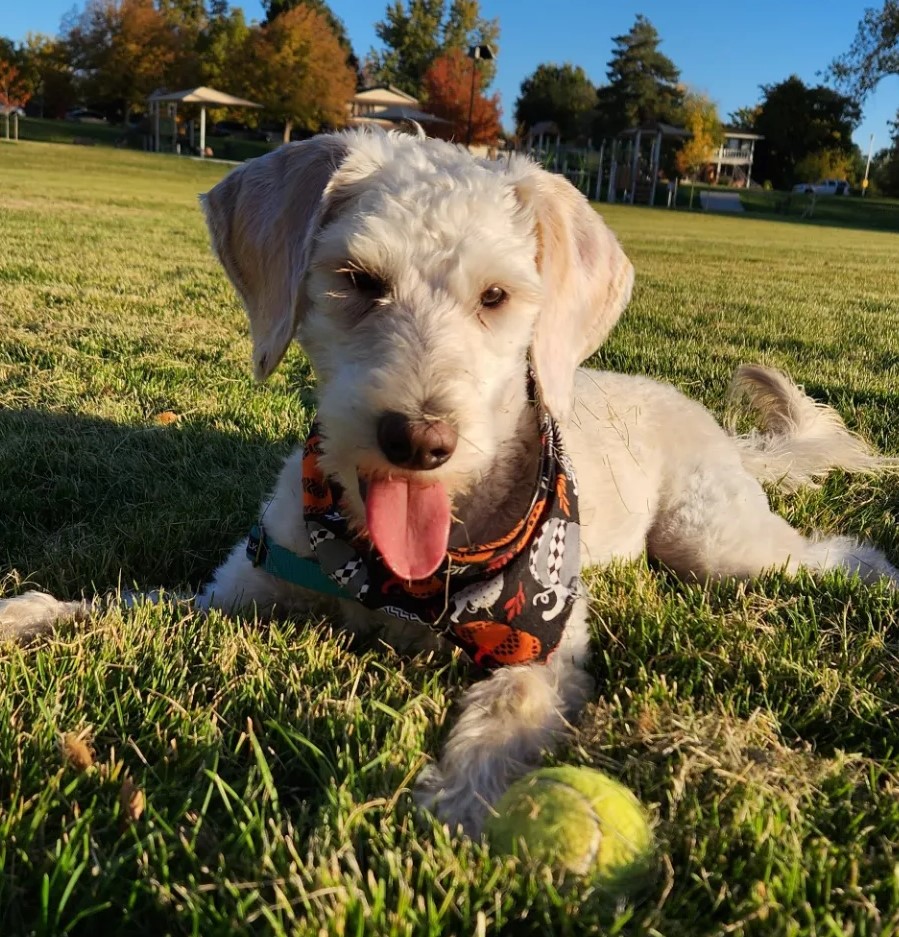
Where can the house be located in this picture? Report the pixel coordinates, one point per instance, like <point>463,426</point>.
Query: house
<point>733,159</point>
<point>365,106</point>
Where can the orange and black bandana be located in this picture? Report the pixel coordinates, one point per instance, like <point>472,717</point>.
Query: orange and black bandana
<point>504,602</point>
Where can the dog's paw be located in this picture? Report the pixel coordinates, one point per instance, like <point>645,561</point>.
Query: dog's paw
<point>31,614</point>
<point>453,802</point>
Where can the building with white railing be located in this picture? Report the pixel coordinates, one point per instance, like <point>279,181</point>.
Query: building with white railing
<point>733,159</point>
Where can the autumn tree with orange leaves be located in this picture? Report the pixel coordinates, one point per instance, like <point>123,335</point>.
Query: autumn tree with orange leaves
<point>14,92</point>
<point>447,86</point>
<point>297,67</point>
<point>124,50</point>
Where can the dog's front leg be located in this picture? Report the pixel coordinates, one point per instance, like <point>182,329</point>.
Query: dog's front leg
<point>34,613</point>
<point>507,723</point>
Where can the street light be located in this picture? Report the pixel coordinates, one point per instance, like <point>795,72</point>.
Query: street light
<point>868,166</point>
<point>474,53</point>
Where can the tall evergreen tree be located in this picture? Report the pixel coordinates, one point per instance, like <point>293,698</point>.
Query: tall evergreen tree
<point>643,82</point>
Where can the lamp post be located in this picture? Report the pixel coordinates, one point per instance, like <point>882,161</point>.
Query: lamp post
<point>868,166</point>
<point>474,53</point>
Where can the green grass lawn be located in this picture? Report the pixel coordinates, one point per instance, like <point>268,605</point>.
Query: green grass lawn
<point>871,212</point>
<point>44,130</point>
<point>757,722</point>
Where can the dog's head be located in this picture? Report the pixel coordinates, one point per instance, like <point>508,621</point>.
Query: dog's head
<point>419,282</point>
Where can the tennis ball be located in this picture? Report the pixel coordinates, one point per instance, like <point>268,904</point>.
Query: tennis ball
<point>579,819</point>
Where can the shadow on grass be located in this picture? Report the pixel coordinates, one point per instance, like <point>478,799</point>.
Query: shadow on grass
<point>86,500</point>
<point>828,211</point>
<point>82,499</point>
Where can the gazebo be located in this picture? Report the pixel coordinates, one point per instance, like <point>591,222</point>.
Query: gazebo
<point>540,136</point>
<point>205,97</point>
<point>636,174</point>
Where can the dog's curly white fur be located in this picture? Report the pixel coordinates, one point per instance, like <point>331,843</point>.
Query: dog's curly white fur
<point>656,472</point>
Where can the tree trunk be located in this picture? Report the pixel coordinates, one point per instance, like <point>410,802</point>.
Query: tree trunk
<point>692,190</point>
<point>288,127</point>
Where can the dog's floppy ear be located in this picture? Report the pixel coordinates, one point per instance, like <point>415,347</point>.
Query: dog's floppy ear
<point>263,218</point>
<point>587,281</point>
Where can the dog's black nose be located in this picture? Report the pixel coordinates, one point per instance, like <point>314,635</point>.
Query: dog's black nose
<point>415,444</point>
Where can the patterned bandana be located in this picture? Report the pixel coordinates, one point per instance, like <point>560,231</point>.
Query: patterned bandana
<point>504,602</point>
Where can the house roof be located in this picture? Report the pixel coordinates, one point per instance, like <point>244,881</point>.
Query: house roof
<point>544,127</point>
<point>203,95</point>
<point>399,114</point>
<point>742,134</point>
<point>384,93</point>
<point>657,126</point>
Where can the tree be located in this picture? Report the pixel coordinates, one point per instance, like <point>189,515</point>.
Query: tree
<point>744,118</point>
<point>189,15</point>
<point>797,121</point>
<point>45,65</point>
<point>221,45</point>
<point>699,115</point>
<point>185,20</point>
<point>874,52</point>
<point>464,27</point>
<point>295,67</point>
<point>448,86</point>
<point>8,52</point>
<point>274,8</point>
<point>413,38</point>
<point>643,83</point>
<point>885,167</point>
<point>560,93</point>
<point>14,90</point>
<point>826,164</point>
<point>122,51</point>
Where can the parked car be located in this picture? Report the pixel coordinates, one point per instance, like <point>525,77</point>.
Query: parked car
<point>824,187</point>
<point>85,115</point>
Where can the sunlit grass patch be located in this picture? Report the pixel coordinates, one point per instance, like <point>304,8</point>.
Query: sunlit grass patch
<point>166,773</point>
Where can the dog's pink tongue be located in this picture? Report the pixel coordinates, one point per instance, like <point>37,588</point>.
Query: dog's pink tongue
<point>409,524</point>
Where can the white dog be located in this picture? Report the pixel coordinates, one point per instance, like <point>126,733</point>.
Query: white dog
<point>445,305</point>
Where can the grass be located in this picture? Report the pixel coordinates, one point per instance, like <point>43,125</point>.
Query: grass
<point>44,130</point>
<point>163,773</point>
<point>871,212</point>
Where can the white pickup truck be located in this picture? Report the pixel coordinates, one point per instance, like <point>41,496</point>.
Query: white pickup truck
<point>824,187</point>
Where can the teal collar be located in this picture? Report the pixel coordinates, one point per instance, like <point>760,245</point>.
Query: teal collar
<point>283,564</point>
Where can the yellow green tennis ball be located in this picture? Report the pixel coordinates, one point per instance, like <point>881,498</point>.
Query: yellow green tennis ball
<point>579,819</point>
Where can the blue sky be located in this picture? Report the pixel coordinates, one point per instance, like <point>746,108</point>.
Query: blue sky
<point>724,49</point>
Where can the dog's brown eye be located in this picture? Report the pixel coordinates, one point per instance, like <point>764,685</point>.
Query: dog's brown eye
<point>373,287</point>
<point>495,296</point>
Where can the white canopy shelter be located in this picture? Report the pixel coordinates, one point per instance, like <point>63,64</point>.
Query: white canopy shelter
<point>205,97</point>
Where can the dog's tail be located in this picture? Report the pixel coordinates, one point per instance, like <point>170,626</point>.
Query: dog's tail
<point>799,440</point>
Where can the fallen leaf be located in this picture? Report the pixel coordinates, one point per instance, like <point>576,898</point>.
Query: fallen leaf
<point>132,799</point>
<point>76,751</point>
<point>167,417</point>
